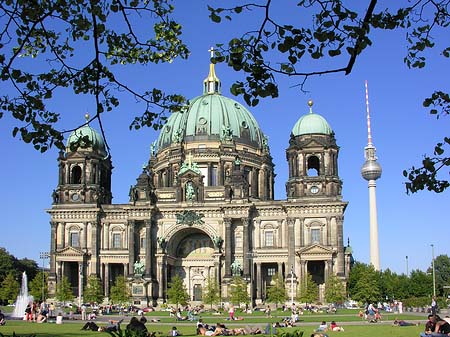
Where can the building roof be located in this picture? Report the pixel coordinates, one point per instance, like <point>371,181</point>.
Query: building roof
<point>213,117</point>
<point>311,123</point>
<point>86,137</point>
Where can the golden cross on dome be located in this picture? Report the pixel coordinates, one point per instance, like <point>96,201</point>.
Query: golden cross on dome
<point>211,50</point>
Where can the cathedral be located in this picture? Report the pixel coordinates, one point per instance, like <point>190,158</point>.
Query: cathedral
<point>203,207</point>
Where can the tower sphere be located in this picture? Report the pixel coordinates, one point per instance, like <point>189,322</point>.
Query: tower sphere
<point>371,170</point>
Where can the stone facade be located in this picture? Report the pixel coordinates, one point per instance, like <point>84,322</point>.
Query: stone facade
<point>203,208</point>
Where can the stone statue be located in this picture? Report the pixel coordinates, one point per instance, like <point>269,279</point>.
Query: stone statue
<point>162,242</point>
<point>227,133</point>
<point>55,197</point>
<point>133,194</point>
<point>236,268</point>
<point>217,241</point>
<point>139,267</point>
<point>153,149</point>
<point>190,192</point>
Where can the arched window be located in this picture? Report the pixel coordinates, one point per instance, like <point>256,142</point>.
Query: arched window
<point>313,166</point>
<point>75,177</point>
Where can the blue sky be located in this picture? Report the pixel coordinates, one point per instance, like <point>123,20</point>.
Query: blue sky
<point>403,131</point>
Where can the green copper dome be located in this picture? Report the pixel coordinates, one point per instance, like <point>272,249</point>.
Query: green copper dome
<point>311,123</point>
<point>212,117</point>
<point>94,140</point>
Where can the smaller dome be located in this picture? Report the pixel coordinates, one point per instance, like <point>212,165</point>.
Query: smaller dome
<point>311,123</point>
<point>95,140</point>
<point>371,170</point>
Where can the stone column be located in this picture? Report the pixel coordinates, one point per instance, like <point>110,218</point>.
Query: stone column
<point>301,229</point>
<point>63,235</point>
<point>163,278</point>
<point>291,242</point>
<point>328,228</point>
<point>94,248</point>
<point>53,238</point>
<point>340,268</point>
<point>106,280</point>
<point>125,269</point>
<point>131,247</point>
<point>106,236</point>
<point>148,249</point>
<point>83,238</point>
<point>245,247</point>
<point>258,281</point>
<point>227,243</point>
<point>58,271</point>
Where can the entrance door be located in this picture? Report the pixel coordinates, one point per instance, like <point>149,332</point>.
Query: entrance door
<point>197,292</point>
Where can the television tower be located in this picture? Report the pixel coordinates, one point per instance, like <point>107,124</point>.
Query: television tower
<point>371,171</point>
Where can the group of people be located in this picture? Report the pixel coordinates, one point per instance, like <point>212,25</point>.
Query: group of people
<point>220,329</point>
<point>134,327</point>
<point>436,326</point>
<point>37,312</point>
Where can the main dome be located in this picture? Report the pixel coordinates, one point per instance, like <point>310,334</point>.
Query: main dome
<point>211,117</point>
<point>311,123</point>
<point>93,138</point>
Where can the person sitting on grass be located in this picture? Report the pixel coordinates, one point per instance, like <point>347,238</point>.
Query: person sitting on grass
<point>112,325</point>
<point>174,332</point>
<point>2,318</point>
<point>91,326</point>
<point>322,327</point>
<point>136,326</point>
<point>180,317</point>
<point>41,318</point>
<point>335,327</point>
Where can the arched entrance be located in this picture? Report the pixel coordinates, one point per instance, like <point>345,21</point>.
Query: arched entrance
<point>191,257</point>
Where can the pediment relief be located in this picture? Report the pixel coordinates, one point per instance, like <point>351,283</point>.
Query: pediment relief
<point>315,249</point>
<point>70,251</point>
<point>189,174</point>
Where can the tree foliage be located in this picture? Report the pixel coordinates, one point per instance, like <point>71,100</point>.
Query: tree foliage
<point>9,288</point>
<point>211,293</point>
<point>442,271</point>
<point>308,291</point>
<point>338,32</point>
<point>93,292</point>
<point>51,47</point>
<point>177,292</point>
<point>421,284</point>
<point>78,47</point>
<point>238,291</point>
<point>276,292</point>
<point>367,289</point>
<point>38,287</point>
<point>64,290</point>
<point>10,264</point>
<point>335,291</point>
<point>120,292</point>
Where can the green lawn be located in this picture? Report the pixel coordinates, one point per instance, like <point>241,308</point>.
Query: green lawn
<point>73,329</point>
<point>354,326</point>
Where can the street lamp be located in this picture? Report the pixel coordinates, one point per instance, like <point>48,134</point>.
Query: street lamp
<point>43,256</point>
<point>434,271</point>
<point>292,284</point>
<point>407,271</point>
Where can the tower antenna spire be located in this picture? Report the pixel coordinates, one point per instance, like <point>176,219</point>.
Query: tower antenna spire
<point>369,131</point>
<point>371,171</point>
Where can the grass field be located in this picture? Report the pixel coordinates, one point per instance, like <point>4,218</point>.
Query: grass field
<point>349,319</point>
<point>73,329</point>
